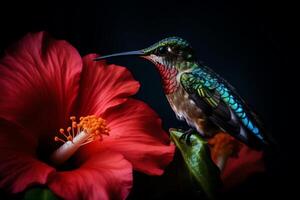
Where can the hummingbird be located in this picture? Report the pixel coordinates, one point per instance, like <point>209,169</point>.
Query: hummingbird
<point>198,95</point>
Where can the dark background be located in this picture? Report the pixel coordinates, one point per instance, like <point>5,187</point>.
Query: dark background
<point>244,42</point>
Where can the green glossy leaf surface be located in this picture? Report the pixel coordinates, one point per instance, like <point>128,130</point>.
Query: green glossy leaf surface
<point>39,194</point>
<point>197,158</point>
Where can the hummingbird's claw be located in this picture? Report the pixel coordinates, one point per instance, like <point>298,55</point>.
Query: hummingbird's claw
<point>187,136</point>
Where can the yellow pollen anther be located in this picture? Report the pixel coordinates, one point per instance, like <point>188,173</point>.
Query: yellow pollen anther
<point>94,127</point>
<point>72,118</point>
<point>74,124</point>
<point>70,138</point>
<point>57,139</point>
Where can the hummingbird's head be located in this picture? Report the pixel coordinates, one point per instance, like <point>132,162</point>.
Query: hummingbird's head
<point>172,52</point>
<point>170,56</point>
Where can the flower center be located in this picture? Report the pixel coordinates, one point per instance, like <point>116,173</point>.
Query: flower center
<point>89,129</point>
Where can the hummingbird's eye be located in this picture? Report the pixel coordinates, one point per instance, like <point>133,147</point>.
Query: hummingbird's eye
<point>162,50</point>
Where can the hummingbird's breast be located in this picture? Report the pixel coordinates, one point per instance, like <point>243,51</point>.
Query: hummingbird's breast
<point>186,109</point>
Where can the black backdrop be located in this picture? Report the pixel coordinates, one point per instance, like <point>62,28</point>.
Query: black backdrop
<point>240,41</point>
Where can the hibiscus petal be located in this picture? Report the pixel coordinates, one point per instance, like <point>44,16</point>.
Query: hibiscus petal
<point>137,134</point>
<point>19,167</point>
<point>39,80</point>
<point>103,86</point>
<point>238,169</point>
<point>105,175</point>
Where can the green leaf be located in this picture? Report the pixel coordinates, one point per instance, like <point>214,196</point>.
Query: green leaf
<point>39,194</point>
<point>197,158</point>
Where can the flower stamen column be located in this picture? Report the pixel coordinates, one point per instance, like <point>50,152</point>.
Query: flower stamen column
<point>89,129</point>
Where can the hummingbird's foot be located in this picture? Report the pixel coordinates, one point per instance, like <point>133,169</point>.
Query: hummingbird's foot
<point>187,136</point>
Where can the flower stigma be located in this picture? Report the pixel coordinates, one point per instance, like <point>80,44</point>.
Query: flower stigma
<point>89,129</point>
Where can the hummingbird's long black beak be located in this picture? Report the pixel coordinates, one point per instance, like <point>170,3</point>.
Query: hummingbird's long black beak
<point>128,53</point>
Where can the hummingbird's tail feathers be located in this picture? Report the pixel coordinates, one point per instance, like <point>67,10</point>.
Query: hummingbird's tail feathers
<point>268,142</point>
<point>252,141</point>
<point>240,132</point>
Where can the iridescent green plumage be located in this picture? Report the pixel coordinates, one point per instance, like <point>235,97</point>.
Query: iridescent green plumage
<point>221,103</point>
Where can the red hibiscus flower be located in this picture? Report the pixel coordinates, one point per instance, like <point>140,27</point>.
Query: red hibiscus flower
<point>236,161</point>
<point>43,82</point>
